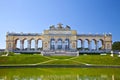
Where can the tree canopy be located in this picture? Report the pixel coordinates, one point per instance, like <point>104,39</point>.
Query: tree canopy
<point>116,45</point>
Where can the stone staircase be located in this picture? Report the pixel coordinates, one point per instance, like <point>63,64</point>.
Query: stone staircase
<point>60,53</point>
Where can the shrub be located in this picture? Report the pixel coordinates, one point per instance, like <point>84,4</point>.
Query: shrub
<point>11,54</point>
<point>3,53</point>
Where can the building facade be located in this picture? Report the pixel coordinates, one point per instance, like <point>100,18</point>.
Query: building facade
<point>57,40</point>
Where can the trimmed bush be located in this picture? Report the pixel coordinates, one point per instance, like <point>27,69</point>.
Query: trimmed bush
<point>11,54</point>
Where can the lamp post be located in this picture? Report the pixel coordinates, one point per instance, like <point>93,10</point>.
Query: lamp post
<point>112,54</point>
<point>118,54</point>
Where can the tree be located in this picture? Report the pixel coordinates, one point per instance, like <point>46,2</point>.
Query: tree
<point>116,45</point>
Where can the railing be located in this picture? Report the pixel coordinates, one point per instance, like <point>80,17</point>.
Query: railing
<point>94,51</point>
<point>27,51</point>
<point>80,51</point>
<point>94,34</point>
<point>24,34</point>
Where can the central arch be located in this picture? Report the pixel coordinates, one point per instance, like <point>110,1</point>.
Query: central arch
<point>52,44</point>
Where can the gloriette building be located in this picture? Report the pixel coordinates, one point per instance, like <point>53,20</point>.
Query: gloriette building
<point>58,41</point>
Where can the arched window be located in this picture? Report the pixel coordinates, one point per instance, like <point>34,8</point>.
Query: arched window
<point>59,43</point>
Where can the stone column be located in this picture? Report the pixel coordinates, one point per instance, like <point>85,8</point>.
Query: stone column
<point>89,45</point>
<point>28,45</point>
<point>21,45</point>
<point>82,45</point>
<point>97,46</point>
<point>55,45</point>
<point>36,44</point>
<point>63,45</point>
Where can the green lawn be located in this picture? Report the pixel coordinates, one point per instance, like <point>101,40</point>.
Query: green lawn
<point>99,59</point>
<point>60,74</point>
<point>60,71</point>
<point>22,59</point>
<point>77,60</point>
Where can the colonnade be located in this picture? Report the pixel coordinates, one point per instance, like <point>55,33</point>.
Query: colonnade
<point>29,42</point>
<point>89,43</point>
<point>59,44</point>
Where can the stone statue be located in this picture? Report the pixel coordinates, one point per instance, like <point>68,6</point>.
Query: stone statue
<point>67,27</point>
<point>52,27</point>
<point>60,25</point>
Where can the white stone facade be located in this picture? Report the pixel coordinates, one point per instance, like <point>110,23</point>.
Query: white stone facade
<point>58,39</point>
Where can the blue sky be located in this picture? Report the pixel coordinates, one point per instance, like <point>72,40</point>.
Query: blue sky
<point>29,16</point>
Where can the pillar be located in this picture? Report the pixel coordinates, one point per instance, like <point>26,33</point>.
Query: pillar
<point>55,45</point>
<point>36,44</point>
<point>28,44</point>
<point>97,46</point>
<point>63,45</point>
<point>82,44</point>
<point>89,45</point>
<point>21,45</point>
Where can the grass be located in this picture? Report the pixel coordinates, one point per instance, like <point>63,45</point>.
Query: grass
<point>79,60</point>
<point>59,74</point>
<point>61,57</point>
<point>62,62</point>
<point>99,59</point>
<point>60,71</point>
<point>22,59</point>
